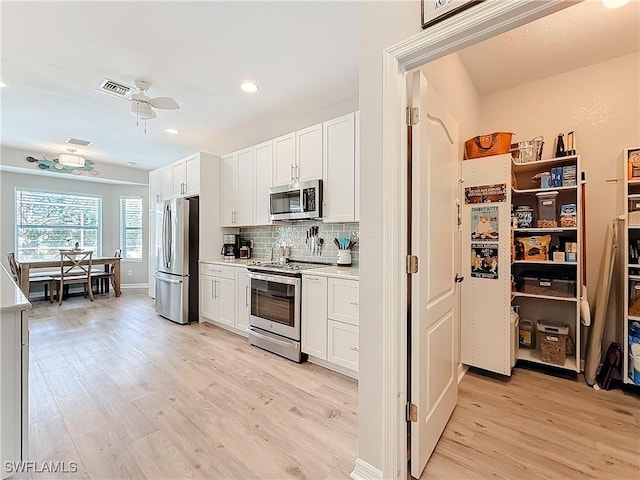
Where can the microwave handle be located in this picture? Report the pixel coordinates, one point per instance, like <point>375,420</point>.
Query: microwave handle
<point>305,200</point>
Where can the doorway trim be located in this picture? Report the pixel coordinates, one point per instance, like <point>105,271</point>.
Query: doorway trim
<point>485,20</point>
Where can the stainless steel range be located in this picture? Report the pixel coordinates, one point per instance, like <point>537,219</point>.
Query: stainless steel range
<point>274,320</point>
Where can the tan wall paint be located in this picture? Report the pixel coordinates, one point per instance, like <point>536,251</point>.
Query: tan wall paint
<point>601,103</point>
<point>382,24</point>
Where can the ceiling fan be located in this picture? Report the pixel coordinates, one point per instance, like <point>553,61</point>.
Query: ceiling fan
<point>142,106</point>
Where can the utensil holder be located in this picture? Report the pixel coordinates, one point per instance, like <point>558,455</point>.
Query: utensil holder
<point>344,257</point>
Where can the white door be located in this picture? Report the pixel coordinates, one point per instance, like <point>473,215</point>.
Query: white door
<point>434,387</point>
<point>243,291</point>
<point>192,176</point>
<point>228,190</point>
<point>225,293</point>
<point>338,169</point>
<point>284,159</point>
<point>314,316</point>
<point>208,305</point>
<point>263,162</point>
<point>308,154</point>
<point>178,177</point>
<point>167,183</point>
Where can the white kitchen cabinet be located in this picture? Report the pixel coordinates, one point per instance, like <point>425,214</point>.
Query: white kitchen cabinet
<point>243,300</point>
<point>314,315</point>
<point>244,187</point>
<point>356,189</point>
<point>236,192</point>
<point>192,176</point>
<point>155,189</point>
<point>177,179</point>
<point>343,303</point>
<point>284,159</point>
<point>338,169</point>
<point>228,190</point>
<point>343,344</point>
<point>217,299</point>
<point>308,154</point>
<point>262,168</point>
<point>14,375</point>
<point>167,182</point>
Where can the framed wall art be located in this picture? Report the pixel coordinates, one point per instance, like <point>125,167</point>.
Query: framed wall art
<point>434,11</point>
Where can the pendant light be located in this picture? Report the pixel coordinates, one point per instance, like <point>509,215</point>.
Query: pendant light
<point>70,159</point>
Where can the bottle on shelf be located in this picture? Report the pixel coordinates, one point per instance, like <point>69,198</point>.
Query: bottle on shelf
<point>560,151</point>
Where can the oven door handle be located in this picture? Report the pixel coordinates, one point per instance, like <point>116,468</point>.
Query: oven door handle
<point>274,278</point>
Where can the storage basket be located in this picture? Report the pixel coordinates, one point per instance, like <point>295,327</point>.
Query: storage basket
<point>528,151</point>
<point>551,287</point>
<point>497,143</point>
<point>552,342</point>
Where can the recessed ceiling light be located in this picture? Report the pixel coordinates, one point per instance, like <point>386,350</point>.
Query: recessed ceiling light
<point>2,84</point>
<point>249,87</point>
<point>131,163</point>
<point>172,131</point>
<point>614,3</point>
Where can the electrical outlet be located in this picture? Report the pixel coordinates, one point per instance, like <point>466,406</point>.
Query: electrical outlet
<point>130,272</point>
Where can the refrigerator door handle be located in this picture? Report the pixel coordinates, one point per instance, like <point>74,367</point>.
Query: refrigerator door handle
<point>169,235</point>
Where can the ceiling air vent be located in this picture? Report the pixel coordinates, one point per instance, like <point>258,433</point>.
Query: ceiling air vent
<point>114,88</point>
<point>77,141</point>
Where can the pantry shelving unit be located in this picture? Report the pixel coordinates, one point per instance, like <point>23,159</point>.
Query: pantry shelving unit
<point>631,272</point>
<point>549,308</point>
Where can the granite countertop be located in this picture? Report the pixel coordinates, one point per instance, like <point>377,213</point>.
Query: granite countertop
<point>349,273</point>
<point>11,297</point>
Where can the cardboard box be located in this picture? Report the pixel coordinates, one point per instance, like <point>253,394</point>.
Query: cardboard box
<point>569,176</point>
<point>571,257</point>
<point>557,177</point>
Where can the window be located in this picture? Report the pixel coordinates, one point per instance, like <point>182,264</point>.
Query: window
<point>131,227</point>
<point>47,222</point>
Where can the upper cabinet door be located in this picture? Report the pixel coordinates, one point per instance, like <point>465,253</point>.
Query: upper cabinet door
<point>262,167</point>
<point>309,154</point>
<point>155,190</point>
<point>284,159</point>
<point>339,169</point>
<point>244,187</point>
<point>357,167</point>
<point>178,175</point>
<point>192,176</point>
<point>167,183</point>
<point>228,190</point>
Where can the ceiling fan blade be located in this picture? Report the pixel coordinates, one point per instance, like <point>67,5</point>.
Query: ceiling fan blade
<point>165,103</point>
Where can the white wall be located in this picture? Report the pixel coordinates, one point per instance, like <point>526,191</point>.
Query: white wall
<point>382,24</point>
<point>66,183</point>
<point>601,103</point>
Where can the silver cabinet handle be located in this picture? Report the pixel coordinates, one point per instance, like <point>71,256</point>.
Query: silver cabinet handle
<point>355,349</point>
<point>231,216</point>
<point>354,303</point>
<point>246,301</point>
<point>297,172</point>
<point>212,289</point>
<point>215,288</point>
<point>312,279</point>
<point>291,172</point>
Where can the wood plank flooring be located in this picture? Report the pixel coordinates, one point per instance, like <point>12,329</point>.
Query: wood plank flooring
<point>536,426</point>
<point>127,394</point>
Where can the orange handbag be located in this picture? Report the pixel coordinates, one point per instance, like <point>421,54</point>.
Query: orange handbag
<point>497,143</point>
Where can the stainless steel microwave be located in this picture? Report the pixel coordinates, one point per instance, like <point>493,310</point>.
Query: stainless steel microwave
<point>297,201</point>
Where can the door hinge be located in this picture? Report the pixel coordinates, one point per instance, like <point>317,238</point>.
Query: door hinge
<point>413,116</point>
<point>412,264</point>
<point>412,412</point>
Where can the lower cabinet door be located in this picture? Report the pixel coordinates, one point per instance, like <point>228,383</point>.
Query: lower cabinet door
<point>208,303</point>
<point>314,316</point>
<point>225,294</point>
<point>343,344</point>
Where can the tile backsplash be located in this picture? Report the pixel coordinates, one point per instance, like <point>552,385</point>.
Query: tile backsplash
<point>269,237</point>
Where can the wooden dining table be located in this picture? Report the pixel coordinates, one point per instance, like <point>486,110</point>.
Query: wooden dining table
<point>30,266</point>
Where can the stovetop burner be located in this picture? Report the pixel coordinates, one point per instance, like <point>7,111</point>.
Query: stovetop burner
<point>286,268</point>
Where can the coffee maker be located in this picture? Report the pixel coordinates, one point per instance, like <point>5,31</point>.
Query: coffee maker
<point>230,246</point>
<point>245,248</point>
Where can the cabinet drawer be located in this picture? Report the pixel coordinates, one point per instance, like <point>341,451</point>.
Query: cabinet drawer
<point>343,300</point>
<point>215,270</point>
<point>343,344</point>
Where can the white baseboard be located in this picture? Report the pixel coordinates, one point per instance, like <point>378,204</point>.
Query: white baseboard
<point>462,370</point>
<point>364,471</point>
<point>127,286</point>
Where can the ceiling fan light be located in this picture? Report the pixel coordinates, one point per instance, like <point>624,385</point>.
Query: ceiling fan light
<point>70,160</point>
<point>249,87</point>
<point>614,3</point>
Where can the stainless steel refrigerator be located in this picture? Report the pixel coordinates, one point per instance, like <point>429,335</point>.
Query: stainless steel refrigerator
<point>177,269</point>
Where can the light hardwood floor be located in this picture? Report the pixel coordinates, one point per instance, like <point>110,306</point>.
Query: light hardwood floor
<point>536,426</point>
<point>127,394</point>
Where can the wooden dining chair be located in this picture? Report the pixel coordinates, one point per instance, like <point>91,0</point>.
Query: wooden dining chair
<point>104,277</point>
<point>45,280</point>
<point>75,267</point>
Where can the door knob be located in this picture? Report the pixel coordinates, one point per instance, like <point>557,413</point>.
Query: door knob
<point>459,279</point>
